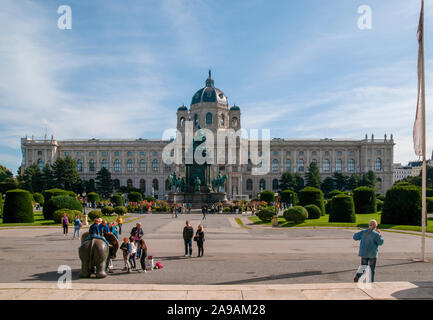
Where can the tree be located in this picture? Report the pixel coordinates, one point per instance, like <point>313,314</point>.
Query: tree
<point>47,177</point>
<point>328,185</point>
<point>353,182</point>
<point>32,179</point>
<point>340,181</point>
<point>8,184</point>
<point>65,174</point>
<point>89,186</point>
<point>369,180</point>
<point>287,181</point>
<point>104,184</point>
<point>5,173</point>
<point>313,176</point>
<point>299,182</point>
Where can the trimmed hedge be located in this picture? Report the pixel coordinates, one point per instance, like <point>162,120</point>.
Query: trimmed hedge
<point>150,198</point>
<point>310,195</point>
<point>93,197</point>
<point>267,196</point>
<point>94,214</point>
<point>71,214</point>
<point>342,209</point>
<point>379,204</point>
<point>285,197</point>
<point>266,214</point>
<point>48,194</point>
<point>313,212</point>
<point>107,211</point>
<point>328,206</point>
<point>334,193</point>
<point>118,199</point>
<point>135,197</point>
<point>297,214</point>
<point>18,207</point>
<point>381,198</point>
<point>429,192</point>
<point>39,198</point>
<point>365,200</point>
<point>60,202</point>
<point>120,210</point>
<point>402,206</point>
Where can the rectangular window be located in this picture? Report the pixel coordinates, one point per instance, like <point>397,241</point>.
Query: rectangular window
<point>117,153</point>
<point>142,153</point>
<point>66,154</point>
<point>79,153</point>
<point>91,153</point>
<point>129,153</point>
<point>104,153</point>
<point>39,153</point>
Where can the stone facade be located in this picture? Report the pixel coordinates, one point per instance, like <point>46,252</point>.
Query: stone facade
<point>139,162</point>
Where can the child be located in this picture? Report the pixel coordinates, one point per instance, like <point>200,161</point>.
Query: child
<point>126,248</point>
<point>143,246</point>
<point>133,252</point>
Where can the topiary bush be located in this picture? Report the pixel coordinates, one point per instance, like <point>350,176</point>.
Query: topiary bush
<point>379,204</point>
<point>71,214</point>
<point>402,206</point>
<point>107,211</point>
<point>380,197</point>
<point>135,197</point>
<point>297,214</point>
<point>18,207</point>
<point>328,206</point>
<point>1,205</point>
<point>342,209</point>
<point>267,196</point>
<point>48,194</point>
<point>313,212</point>
<point>93,197</point>
<point>429,192</point>
<point>95,214</point>
<point>120,210</point>
<point>118,199</point>
<point>310,195</point>
<point>365,200</point>
<point>289,196</point>
<point>334,193</point>
<point>266,214</point>
<point>60,202</point>
<point>72,194</point>
<point>150,198</point>
<point>39,198</point>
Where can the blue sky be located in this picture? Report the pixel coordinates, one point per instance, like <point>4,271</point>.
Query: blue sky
<point>301,68</point>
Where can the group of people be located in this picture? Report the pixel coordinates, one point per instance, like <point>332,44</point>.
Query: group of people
<point>188,237</point>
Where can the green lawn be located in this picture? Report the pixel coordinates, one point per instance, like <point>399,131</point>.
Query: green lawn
<point>362,221</point>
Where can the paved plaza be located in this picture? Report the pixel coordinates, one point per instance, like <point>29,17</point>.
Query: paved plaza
<point>234,255</point>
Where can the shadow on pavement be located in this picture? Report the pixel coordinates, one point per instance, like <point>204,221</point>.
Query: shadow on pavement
<point>275,277</point>
<point>52,276</point>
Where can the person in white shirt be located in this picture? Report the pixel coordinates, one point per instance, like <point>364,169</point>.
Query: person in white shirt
<point>133,252</point>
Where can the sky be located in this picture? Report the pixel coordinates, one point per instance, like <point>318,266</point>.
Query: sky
<point>303,69</point>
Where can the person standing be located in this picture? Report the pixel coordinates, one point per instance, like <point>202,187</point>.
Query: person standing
<point>203,210</point>
<point>126,248</point>
<point>143,248</point>
<point>199,238</point>
<point>119,221</point>
<point>133,252</point>
<point>370,239</point>
<point>77,226</point>
<point>188,233</point>
<point>137,233</point>
<point>65,223</point>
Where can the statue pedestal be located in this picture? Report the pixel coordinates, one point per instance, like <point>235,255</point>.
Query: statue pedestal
<point>197,199</point>
<point>85,222</point>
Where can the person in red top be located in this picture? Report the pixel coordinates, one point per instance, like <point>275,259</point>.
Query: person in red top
<point>65,223</point>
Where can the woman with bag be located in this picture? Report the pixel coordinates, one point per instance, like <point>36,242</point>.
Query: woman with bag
<point>143,247</point>
<point>199,238</point>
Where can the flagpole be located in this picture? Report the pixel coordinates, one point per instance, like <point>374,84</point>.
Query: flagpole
<point>424,164</point>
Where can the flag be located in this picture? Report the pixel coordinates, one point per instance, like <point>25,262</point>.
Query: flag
<point>418,129</point>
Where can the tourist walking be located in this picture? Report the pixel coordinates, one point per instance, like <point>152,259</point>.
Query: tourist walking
<point>119,221</point>
<point>370,239</point>
<point>199,238</point>
<point>203,210</point>
<point>143,248</point>
<point>133,252</point>
<point>188,233</point>
<point>113,229</point>
<point>137,233</point>
<point>65,223</point>
<point>77,226</point>
<point>126,248</point>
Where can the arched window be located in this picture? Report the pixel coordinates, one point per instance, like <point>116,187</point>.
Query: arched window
<point>155,165</point>
<point>275,184</point>
<point>196,119</point>
<point>167,185</point>
<point>235,122</point>
<point>249,185</point>
<point>222,120</point>
<point>182,122</point>
<point>91,165</point>
<point>262,184</point>
<point>105,163</point>
<point>288,165</point>
<point>79,165</point>
<point>130,165</point>
<point>142,165</point>
<point>378,164</point>
<point>351,165</point>
<point>155,184</point>
<point>314,161</point>
<point>301,165</point>
<point>117,165</point>
<point>208,118</point>
<point>40,164</point>
<point>339,165</point>
<point>326,165</point>
<point>143,185</point>
<point>129,183</point>
<point>275,166</point>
